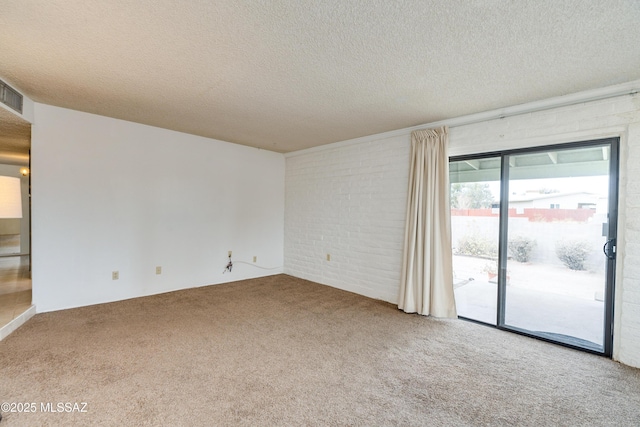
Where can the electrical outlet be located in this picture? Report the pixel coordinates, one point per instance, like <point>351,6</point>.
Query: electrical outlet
<point>255,258</point>
<point>230,254</point>
<point>328,257</point>
<point>158,270</point>
<point>115,275</point>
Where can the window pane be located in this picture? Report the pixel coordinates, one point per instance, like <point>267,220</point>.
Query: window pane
<point>557,226</point>
<point>475,221</point>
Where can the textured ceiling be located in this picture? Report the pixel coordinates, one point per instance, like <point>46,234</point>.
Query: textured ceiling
<point>286,75</point>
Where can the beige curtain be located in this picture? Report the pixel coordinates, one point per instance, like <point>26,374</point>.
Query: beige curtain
<point>426,286</point>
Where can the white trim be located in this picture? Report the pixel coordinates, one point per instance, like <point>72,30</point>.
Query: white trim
<point>7,329</point>
<point>629,88</point>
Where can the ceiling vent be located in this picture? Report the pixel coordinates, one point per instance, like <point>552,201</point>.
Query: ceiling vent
<point>10,97</point>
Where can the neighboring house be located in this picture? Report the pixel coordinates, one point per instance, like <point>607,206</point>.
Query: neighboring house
<point>570,200</point>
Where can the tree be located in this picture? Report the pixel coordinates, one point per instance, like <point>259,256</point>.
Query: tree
<point>471,196</point>
<point>545,190</point>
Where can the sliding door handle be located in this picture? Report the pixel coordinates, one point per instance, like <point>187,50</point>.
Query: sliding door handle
<point>609,249</point>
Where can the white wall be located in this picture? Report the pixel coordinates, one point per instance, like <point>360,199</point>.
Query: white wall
<point>348,202</point>
<point>348,198</point>
<point>114,195</point>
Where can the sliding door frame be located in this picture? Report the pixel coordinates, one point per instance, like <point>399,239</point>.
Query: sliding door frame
<point>610,275</point>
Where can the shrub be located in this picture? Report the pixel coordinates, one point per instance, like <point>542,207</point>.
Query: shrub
<point>573,253</point>
<point>521,247</point>
<point>477,246</point>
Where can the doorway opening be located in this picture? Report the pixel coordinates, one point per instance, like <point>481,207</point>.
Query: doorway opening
<point>534,238</point>
<point>15,219</point>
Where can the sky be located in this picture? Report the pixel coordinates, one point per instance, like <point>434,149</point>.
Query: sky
<point>590,184</point>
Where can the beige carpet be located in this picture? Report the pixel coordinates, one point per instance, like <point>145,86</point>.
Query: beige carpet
<point>283,351</point>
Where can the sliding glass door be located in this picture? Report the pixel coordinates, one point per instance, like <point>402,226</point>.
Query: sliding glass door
<point>475,226</point>
<point>540,259</point>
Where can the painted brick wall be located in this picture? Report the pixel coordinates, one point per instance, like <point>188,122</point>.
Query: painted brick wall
<point>628,291</point>
<point>348,199</point>
<point>348,202</point>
